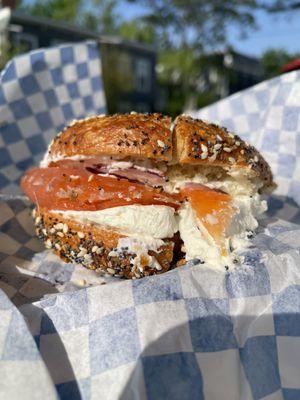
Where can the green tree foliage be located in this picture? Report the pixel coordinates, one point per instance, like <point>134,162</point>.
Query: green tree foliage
<point>61,10</point>
<point>274,59</point>
<point>197,23</point>
<point>185,29</point>
<point>281,5</point>
<point>138,30</point>
<point>180,30</point>
<point>104,12</point>
<point>96,15</point>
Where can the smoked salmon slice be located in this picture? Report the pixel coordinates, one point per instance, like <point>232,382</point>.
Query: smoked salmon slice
<point>69,188</point>
<point>213,208</point>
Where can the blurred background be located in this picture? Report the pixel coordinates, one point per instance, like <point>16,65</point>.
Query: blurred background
<point>164,55</point>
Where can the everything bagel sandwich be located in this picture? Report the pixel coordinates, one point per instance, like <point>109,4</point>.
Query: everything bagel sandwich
<point>135,195</point>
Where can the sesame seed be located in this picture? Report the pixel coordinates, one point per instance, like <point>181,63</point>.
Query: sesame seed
<point>227,149</point>
<point>231,160</point>
<point>238,143</point>
<point>217,146</point>
<point>60,234</point>
<point>80,234</point>
<point>59,226</point>
<point>82,252</point>
<point>34,213</point>
<point>38,220</point>
<point>158,267</point>
<point>204,148</point>
<point>99,250</point>
<point>65,228</point>
<point>74,177</point>
<point>57,246</point>
<point>242,151</point>
<point>52,230</point>
<point>110,271</point>
<point>90,178</point>
<point>219,138</point>
<point>231,135</point>
<point>204,156</point>
<point>44,232</point>
<point>94,249</point>
<point>160,143</point>
<point>213,157</point>
<point>48,243</point>
<point>255,159</point>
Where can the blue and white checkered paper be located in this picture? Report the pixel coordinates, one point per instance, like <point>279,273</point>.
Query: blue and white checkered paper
<point>268,116</point>
<point>192,333</point>
<point>40,93</point>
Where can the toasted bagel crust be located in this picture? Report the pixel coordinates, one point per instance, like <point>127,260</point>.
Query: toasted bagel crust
<point>149,136</point>
<point>141,136</point>
<point>202,143</point>
<point>90,246</point>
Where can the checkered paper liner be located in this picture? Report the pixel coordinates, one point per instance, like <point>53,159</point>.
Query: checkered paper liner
<point>192,333</point>
<point>40,93</point>
<point>268,116</point>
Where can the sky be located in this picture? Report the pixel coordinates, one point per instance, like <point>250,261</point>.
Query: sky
<point>282,31</point>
